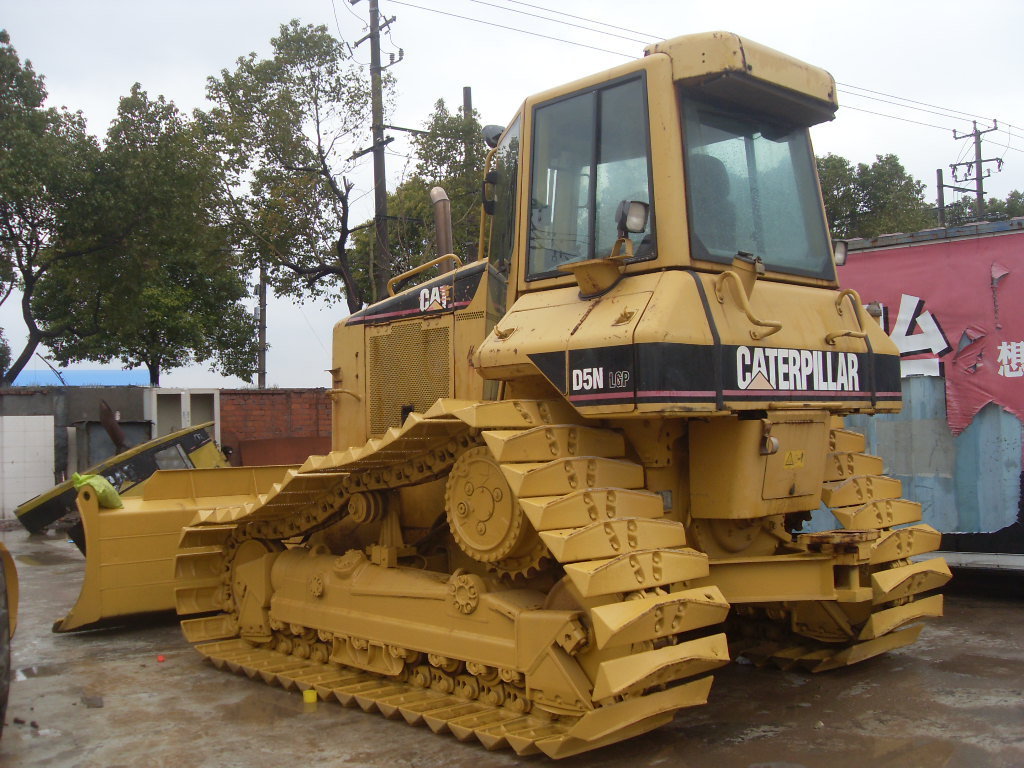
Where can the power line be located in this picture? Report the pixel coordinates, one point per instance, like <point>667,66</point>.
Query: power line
<point>907,103</point>
<point>903,106</point>
<point>894,117</point>
<point>649,37</point>
<point>912,101</point>
<point>559,21</point>
<point>512,29</point>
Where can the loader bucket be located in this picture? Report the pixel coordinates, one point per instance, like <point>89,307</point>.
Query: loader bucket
<point>130,561</point>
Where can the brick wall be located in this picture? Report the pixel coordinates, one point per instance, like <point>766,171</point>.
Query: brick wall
<point>258,414</point>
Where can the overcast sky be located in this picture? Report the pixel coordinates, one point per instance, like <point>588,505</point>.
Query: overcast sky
<point>955,61</point>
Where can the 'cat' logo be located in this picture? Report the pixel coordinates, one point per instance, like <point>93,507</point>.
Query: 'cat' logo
<point>432,299</point>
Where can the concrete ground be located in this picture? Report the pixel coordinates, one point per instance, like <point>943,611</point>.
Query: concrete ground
<point>102,698</point>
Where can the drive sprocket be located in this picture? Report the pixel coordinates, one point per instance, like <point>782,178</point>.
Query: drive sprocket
<point>485,518</point>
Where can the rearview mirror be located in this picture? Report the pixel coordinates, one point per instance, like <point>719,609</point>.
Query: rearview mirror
<point>631,217</point>
<point>840,248</point>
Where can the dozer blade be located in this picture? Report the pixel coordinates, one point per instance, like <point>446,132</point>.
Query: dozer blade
<point>130,565</point>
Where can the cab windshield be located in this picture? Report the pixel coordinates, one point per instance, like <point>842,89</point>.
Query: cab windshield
<point>752,188</point>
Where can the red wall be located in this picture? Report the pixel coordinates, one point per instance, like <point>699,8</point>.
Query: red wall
<point>275,426</point>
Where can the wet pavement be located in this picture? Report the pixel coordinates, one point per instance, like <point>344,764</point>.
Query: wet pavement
<point>102,698</point>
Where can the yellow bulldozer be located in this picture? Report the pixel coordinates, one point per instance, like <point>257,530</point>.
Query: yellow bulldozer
<point>568,477</point>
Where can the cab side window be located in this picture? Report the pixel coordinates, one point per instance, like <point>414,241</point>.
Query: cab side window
<point>590,152</point>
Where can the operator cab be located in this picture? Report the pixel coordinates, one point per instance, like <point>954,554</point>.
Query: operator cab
<point>715,146</point>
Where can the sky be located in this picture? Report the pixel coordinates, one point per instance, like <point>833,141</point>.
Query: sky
<point>909,73</point>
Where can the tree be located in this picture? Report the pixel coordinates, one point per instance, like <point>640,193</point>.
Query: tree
<point>1009,208</point>
<point>287,127</point>
<point>964,210</point>
<point>114,252</point>
<point>169,292</point>
<point>52,194</point>
<point>871,200</point>
<point>450,154</point>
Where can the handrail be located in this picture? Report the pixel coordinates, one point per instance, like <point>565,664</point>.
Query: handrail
<point>858,310</point>
<point>416,270</point>
<point>741,297</point>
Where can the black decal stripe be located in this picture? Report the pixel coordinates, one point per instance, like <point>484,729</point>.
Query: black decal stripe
<point>552,365</point>
<point>872,380</point>
<point>462,286</point>
<point>716,360</point>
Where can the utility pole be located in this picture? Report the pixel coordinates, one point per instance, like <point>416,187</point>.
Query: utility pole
<point>940,188</point>
<point>976,165</point>
<point>261,374</point>
<point>380,268</point>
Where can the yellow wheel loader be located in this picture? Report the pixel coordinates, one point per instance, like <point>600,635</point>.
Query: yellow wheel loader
<point>568,477</point>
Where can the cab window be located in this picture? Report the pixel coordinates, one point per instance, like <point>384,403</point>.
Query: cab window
<point>751,187</point>
<point>590,152</point>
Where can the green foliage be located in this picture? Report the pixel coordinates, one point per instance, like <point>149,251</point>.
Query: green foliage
<point>450,154</point>
<point>5,352</point>
<point>115,252</point>
<point>964,210</point>
<point>169,292</point>
<point>1011,207</point>
<point>52,192</point>
<point>870,200</point>
<point>286,127</point>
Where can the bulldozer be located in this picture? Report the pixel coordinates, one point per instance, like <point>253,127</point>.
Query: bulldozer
<point>568,477</point>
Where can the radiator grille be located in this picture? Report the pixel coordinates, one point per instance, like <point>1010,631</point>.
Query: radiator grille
<point>411,366</point>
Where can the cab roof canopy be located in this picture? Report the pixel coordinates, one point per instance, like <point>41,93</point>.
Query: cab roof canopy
<point>723,67</point>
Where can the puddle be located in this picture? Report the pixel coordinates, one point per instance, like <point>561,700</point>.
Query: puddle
<point>42,670</point>
<point>49,558</point>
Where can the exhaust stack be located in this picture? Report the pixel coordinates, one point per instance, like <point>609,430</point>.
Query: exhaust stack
<point>442,222</point>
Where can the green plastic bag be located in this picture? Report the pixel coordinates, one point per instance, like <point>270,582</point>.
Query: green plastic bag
<point>105,492</point>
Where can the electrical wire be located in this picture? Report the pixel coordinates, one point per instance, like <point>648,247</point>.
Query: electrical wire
<point>894,117</point>
<point>558,21</point>
<point>511,29</point>
<point>897,104</point>
<point>951,112</point>
<point>649,37</point>
<point>901,101</point>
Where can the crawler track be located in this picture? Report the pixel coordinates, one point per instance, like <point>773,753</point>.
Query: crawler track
<point>881,595</point>
<point>529,491</point>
